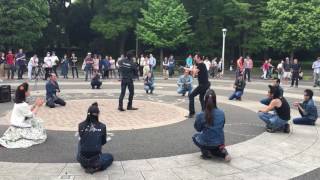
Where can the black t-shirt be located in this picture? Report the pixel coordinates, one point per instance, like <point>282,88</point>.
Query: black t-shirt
<point>296,68</point>
<point>203,74</point>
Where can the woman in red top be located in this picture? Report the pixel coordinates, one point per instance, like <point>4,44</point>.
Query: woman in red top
<point>265,68</point>
<point>10,60</point>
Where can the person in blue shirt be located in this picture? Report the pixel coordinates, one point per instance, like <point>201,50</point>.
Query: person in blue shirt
<point>93,135</point>
<point>52,88</point>
<point>210,124</point>
<point>65,66</point>
<point>149,83</point>
<point>189,61</point>
<point>276,83</point>
<point>307,109</point>
<point>185,83</point>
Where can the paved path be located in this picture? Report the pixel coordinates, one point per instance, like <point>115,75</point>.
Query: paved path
<point>266,156</point>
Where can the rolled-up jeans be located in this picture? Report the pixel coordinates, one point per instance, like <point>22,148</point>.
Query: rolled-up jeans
<point>272,121</point>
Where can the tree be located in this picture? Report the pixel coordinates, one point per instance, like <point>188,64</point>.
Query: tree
<point>22,22</point>
<point>116,18</point>
<point>292,25</point>
<point>164,24</point>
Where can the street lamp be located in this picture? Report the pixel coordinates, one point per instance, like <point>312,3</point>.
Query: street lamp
<point>224,33</point>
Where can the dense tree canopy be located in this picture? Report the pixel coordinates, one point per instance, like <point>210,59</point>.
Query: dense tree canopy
<point>292,25</point>
<point>22,22</point>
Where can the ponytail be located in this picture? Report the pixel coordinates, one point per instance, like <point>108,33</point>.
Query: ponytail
<point>210,104</point>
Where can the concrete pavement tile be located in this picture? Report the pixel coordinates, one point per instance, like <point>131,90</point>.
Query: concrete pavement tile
<point>229,177</point>
<point>297,166</point>
<point>256,175</point>
<point>136,165</point>
<point>126,176</point>
<point>279,171</point>
<point>91,177</point>
<point>264,157</point>
<point>312,161</point>
<point>192,173</point>
<point>47,169</point>
<point>17,168</point>
<point>159,175</point>
<point>18,177</point>
<point>73,169</point>
<point>219,168</point>
<point>244,164</point>
<point>163,163</point>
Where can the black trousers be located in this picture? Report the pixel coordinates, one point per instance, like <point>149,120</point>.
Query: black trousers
<point>47,73</point>
<point>75,69</point>
<point>124,84</point>
<point>96,84</point>
<point>11,70</point>
<point>247,72</point>
<point>54,69</point>
<point>21,71</point>
<point>295,78</point>
<point>52,103</point>
<point>201,91</point>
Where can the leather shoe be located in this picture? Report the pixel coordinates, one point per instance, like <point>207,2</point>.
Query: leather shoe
<point>120,109</point>
<point>132,108</point>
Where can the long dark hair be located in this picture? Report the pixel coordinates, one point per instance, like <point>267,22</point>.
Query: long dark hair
<point>93,112</point>
<point>210,103</point>
<point>20,95</point>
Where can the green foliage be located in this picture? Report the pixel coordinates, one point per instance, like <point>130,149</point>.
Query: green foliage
<point>292,24</point>
<point>164,24</point>
<point>22,22</point>
<point>115,17</point>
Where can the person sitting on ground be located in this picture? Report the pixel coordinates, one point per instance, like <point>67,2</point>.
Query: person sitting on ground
<point>279,120</point>
<point>93,135</point>
<point>307,109</point>
<point>239,86</point>
<point>276,83</point>
<point>25,129</point>
<point>95,82</point>
<point>210,124</point>
<point>185,83</point>
<point>149,83</point>
<point>52,88</point>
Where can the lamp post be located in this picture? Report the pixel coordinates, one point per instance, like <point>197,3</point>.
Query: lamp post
<point>224,33</point>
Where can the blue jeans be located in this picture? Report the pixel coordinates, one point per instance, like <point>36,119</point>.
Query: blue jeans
<point>182,90</point>
<point>219,151</point>
<point>149,87</point>
<point>236,94</point>
<point>304,121</point>
<point>265,101</point>
<point>272,121</point>
<point>88,70</point>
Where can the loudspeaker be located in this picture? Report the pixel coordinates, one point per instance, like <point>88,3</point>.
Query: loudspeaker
<point>5,93</point>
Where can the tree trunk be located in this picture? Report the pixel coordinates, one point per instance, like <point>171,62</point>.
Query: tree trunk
<point>161,57</point>
<point>123,40</point>
<point>291,55</point>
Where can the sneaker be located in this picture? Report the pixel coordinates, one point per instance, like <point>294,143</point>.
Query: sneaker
<point>132,108</point>
<point>227,158</point>
<point>205,157</point>
<point>270,130</point>
<point>91,170</point>
<point>286,128</point>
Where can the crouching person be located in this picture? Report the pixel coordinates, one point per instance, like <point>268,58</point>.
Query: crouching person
<point>52,88</point>
<point>238,86</point>
<point>210,124</point>
<point>279,120</point>
<point>149,83</point>
<point>95,82</point>
<point>93,136</point>
<point>185,83</point>
<point>307,110</point>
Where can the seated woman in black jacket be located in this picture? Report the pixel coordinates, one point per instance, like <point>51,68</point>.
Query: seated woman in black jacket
<point>93,136</point>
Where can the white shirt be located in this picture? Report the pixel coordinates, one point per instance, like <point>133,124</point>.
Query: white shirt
<point>47,62</point>
<point>316,66</point>
<point>33,62</point>
<point>54,60</point>
<point>19,115</point>
<point>208,64</point>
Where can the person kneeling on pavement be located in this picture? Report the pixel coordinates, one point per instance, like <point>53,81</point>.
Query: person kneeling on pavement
<point>276,83</point>
<point>279,120</point>
<point>239,86</point>
<point>149,83</point>
<point>93,135</point>
<point>210,124</point>
<point>52,87</point>
<point>307,109</point>
<point>185,83</point>
<point>95,82</point>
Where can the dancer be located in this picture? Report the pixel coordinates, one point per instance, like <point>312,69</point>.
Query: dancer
<point>93,135</point>
<point>279,120</point>
<point>128,71</point>
<point>52,88</point>
<point>25,129</point>
<point>210,124</point>
<point>201,71</point>
<point>307,109</point>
